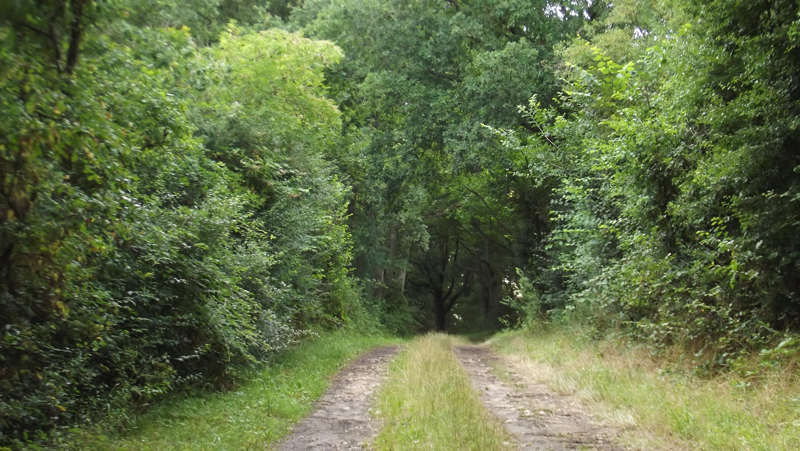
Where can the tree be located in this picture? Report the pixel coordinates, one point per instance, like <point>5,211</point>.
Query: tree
<point>670,150</point>
<point>439,273</point>
<point>170,217</point>
<point>418,81</point>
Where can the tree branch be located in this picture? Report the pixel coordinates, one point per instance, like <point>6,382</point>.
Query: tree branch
<point>424,269</point>
<point>477,227</point>
<point>494,215</point>
<point>449,305</point>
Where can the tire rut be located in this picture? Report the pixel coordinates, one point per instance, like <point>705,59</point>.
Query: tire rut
<point>341,420</point>
<point>537,417</point>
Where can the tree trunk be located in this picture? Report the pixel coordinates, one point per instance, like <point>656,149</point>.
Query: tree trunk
<point>401,280</point>
<point>390,271</point>
<point>379,279</point>
<point>490,293</point>
<point>440,313</point>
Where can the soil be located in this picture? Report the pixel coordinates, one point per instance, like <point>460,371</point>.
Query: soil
<point>537,417</point>
<point>341,419</point>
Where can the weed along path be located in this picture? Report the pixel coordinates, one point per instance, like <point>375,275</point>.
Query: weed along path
<point>341,418</point>
<point>537,417</point>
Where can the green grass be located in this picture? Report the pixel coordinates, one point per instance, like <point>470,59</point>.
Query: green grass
<point>428,403</point>
<point>259,412</point>
<point>670,407</point>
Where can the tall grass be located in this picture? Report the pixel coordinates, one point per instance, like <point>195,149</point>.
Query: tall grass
<point>428,403</point>
<point>671,407</point>
<point>260,412</point>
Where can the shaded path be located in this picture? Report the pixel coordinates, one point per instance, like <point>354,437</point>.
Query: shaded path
<point>341,419</point>
<point>537,417</point>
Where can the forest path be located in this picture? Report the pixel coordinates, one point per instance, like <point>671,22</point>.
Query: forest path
<point>341,418</point>
<point>537,417</point>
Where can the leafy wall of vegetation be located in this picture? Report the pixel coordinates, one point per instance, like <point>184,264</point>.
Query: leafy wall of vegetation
<point>673,145</point>
<point>170,213</point>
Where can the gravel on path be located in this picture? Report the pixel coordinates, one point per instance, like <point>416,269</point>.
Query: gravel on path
<point>341,419</point>
<point>537,417</point>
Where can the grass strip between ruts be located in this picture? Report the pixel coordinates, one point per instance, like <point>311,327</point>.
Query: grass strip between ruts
<point>428,403</point>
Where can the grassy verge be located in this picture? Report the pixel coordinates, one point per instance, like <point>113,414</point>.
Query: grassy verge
<point>428,403</point>
<point>671,407</point>
<point>259,412</point>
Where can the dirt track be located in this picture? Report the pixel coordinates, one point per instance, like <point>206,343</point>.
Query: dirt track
<point>341,419</point>
<point>536,417</point>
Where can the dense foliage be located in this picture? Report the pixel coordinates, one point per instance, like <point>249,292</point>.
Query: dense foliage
<point>439,217</point>
<point>646,183</point>
<point>188,185</point>
<point>170,215</point>
<point>674,146</point>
